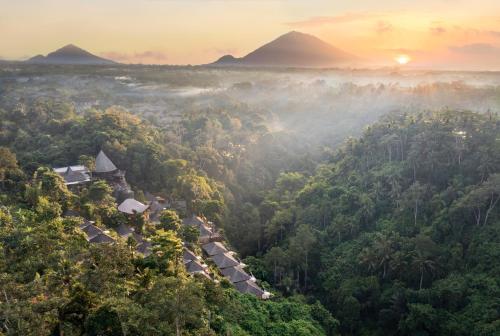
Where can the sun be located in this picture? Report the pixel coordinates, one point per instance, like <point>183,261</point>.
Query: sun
<point>402,59</point>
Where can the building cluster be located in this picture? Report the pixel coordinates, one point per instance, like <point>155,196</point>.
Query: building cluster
<point>228,265</point>
<point>210,238</point>
<point>77,176</point>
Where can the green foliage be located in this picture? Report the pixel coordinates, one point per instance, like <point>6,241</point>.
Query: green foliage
<point>169,220</point>
<point>391,216</point>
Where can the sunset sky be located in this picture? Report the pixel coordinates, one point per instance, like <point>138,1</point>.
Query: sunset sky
<point>451,34</point>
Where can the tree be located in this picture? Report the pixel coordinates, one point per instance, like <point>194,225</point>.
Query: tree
<point>9,170</point>
<point>167,250</point>
<point>276,259</point>
<point>414,198</point>
<point>190,234</point>
<point>169,220</point>
<point>379,255</point>
<point>301,246</point>
<point>99,191</point>
<point>76,310</point>
<point>51,185</point>
<point>423,264</point>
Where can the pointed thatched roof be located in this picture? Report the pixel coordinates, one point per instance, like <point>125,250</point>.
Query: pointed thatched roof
<point>103,164</point>
<point>214,248</point>
<point>235,274</point>
<point>131,206</point>
<point>224,260</point>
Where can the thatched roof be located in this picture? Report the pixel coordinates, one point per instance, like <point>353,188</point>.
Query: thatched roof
<point>250,287</point>
<point>193,221</point>
<point>131,206</point>
<point>91,231</point>
<point>74,174</point>
<point>235,274</point>
<point>103,164</point>
<point>124,231</point>
<point>224,260</point>
<point>214,248</point>
<point>102,238</point>
<point>205,231</point>
<point>77,168</point>
<point>194,266</point>
<point>188,255</point>
<point>144,248</point>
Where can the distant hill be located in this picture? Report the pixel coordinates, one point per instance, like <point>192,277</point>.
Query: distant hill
<point>70,54</point>
<point>293,49</point>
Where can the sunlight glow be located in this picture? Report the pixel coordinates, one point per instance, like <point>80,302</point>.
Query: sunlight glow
<point>403,59</point>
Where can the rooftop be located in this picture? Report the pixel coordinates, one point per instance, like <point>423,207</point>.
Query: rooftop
<point>103,164</point>
<point>214,248</point>
<point>224,260</point>
<point>131,206</point>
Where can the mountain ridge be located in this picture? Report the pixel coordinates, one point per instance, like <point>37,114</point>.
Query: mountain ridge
<point>70,54</point>
<point>293,49</point>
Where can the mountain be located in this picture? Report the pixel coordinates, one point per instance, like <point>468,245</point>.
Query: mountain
<point>70,54</point>
<point>293,49</point>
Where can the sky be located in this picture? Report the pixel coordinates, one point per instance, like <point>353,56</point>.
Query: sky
<point>449,34</point>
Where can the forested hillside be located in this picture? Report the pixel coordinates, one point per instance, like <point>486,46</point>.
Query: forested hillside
<point>398,234</point>
<point>54,282</point>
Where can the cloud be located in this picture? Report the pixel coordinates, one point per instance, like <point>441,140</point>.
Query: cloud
<point>476,49</point>
<point>437,30</point>
<point>383,27</point>
<point>145,57</point>
<point>316,21</point>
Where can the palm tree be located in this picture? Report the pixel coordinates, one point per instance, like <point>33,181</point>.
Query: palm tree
<point>424,264</point>
<point>379,255</point>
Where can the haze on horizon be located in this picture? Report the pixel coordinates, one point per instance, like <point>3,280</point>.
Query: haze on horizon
<point>444,34</point>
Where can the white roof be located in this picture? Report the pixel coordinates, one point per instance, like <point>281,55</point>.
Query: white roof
<point>77,168</point>
<point>131,206</point>
<point>103,164</point>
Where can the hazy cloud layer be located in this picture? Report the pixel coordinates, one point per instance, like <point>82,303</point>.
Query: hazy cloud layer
<point>476,49</point>
<point>383,27</point>
<point>144,57</point>
<point>328,20</point>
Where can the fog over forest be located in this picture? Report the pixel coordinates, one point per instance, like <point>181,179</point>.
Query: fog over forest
<point>321,106</point>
